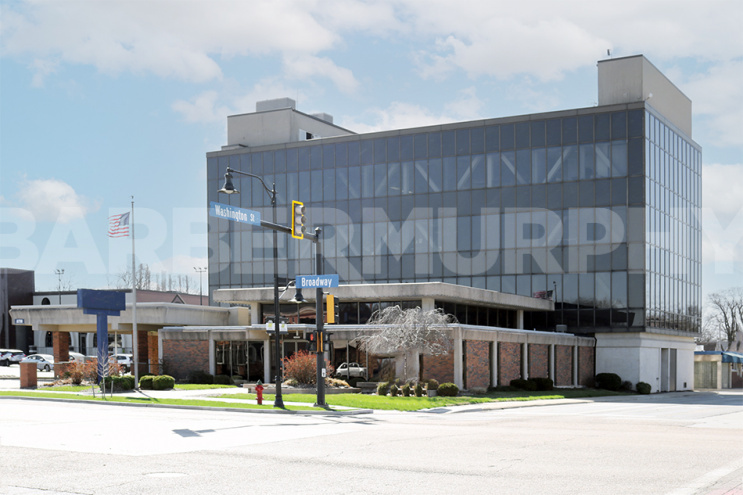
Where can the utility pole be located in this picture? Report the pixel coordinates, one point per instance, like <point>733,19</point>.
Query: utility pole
<point>59,272</point>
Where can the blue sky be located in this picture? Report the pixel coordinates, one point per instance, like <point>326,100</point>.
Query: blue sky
<point>101,101</point>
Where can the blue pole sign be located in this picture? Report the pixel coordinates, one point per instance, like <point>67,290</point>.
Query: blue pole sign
<point>233,213</point>
<point>316,281</point>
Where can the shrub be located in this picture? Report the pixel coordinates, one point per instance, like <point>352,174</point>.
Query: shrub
<point>433,384</point>
<point>394,390</point>
<point>643,388</point>
<point>418,390</point>
<point>302,366</point>
<point>406,390</point>
<point>291,382</point>
<point>145,382</point>
<point>502,388</point>
<point>335,382</point>
<point>543,383</point>
<point>448,390</point>
<point>119,383</point>
<point>478,390</point>
<point>201,378</point>
<point>608,381</point>
<point>223,380</point>
<point>383,388</point>
<point>519,383</point>
<point>163,382</point>
<point>627,386</point>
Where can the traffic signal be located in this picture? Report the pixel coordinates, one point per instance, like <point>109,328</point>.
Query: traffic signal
<point>331,309</point>
<point>298,220</point>
<point>313,342</point>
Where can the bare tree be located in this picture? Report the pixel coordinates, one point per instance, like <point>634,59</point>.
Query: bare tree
<point>725,314</point>
<point>407,331</point>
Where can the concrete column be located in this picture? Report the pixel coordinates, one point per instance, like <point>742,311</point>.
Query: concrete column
<point>575,365</point>
<point>458,358</point>
<point>520,319</point>
<point>719,374</point>
<point>525,360</point>
<point>494,364</point>
<point>428,304</point>
<point>212,354</point>
<point>552,363</point>
<point>267,361</point>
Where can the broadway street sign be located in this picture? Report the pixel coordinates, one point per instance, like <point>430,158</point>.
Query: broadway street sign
<point>316,281</point>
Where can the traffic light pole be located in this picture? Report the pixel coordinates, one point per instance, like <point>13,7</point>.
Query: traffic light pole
<point>320,337</point>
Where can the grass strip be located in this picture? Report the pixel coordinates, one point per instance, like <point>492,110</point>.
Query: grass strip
<point>400,403</point>
<point>153,401</point>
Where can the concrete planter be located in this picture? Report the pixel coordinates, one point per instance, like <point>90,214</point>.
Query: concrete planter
<point>432,393</point>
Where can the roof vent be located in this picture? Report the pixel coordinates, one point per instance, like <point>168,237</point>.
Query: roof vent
<point>323,116</point>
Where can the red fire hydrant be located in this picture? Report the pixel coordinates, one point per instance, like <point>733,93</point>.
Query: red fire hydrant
<point>259,392</point>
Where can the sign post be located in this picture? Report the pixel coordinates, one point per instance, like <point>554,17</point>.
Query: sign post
<point>102,303</point>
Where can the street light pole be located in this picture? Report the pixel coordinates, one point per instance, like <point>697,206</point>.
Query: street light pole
<point>201,270</point>
<point>229,188</point>
<point>59,272</point>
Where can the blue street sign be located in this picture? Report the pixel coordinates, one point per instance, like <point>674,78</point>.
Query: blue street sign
<point>316,281</point>
<point>233,213</point>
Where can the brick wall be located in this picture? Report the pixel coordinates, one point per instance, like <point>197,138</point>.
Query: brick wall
<point>61,349</point>
<point>440,368</point>
<point>143,353</point>
<point>477,363</point>
<point>563,365</point>
<point>539,361</point>
<point>154,368</point>
<point>509,362</point>
<point>184,356</point>
<point>586,366</point>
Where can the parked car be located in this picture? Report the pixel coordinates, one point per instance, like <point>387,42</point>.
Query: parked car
<point>44,362</point>
<point>76,357</point>
<point>11,356</point>
<point>124,360</point>
<point>352,370</point>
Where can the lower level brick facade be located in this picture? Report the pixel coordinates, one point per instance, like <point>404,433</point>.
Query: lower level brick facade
<point>181,357</point>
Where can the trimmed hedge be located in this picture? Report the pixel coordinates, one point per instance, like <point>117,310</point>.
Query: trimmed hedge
<point>201,378</point>
<point>383,388</point>
<point>543,384</point>
<point>145,382</point>
<point>521,384</point>
<point>448,390</point>
<point>433,384</point>
<point>608,381</point>
<point>163,382</point>
<point>418,390</point>
<point>406,390</point>
<point>394,390</point>
<point>643,388</point>
<point>119,383</point>
<point>223,380</point>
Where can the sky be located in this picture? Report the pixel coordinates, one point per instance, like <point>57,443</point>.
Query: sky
<point>102,101</point>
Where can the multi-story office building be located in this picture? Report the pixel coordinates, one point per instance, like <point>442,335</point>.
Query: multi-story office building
<point>597,207</point>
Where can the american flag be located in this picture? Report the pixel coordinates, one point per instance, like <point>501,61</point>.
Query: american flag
<point>118,225</point>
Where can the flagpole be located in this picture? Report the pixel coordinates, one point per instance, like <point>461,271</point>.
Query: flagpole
<point>135,350</point>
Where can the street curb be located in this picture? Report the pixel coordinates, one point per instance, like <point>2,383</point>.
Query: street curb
<point>323,412</point>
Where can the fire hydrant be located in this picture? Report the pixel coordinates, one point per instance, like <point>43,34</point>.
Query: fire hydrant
<point>259,392</point>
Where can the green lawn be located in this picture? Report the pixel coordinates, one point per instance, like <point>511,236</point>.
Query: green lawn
<point>400,403</point>
<point>147,400</point>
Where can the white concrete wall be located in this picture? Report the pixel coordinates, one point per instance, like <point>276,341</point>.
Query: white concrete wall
<point>636,357</point>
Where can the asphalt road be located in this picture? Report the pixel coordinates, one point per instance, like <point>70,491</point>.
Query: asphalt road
<point>681,443</point>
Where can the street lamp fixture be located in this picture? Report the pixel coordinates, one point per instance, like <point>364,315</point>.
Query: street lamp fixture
<point>229,188</point>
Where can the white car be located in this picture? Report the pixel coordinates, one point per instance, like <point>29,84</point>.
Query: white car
<point>355,370</point>
<point>11,356</point>
<point>44,362</point>
<point>124,360</point>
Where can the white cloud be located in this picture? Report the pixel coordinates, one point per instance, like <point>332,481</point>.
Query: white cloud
<point>307,66</point>
<point>722,216</point>
<point>53,200</point>
<point>201,108</point>
<point>718,95</point>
